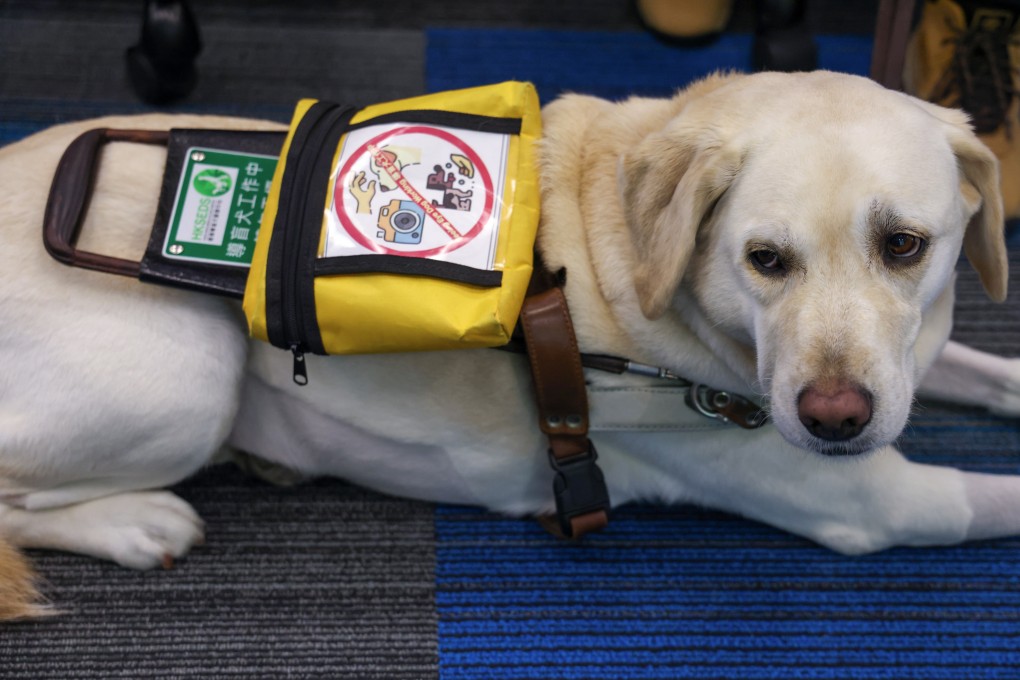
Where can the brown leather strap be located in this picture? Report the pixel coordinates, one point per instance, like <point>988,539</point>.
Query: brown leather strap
<point>556,369</point>
<point>70,194</point>
<point>582,502</point>
<point>579,525</point>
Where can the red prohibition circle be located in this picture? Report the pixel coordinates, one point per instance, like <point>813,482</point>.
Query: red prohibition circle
<point>352,229</point>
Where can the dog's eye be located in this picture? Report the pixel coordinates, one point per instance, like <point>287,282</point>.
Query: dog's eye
<point>903,245</point>
<point>766,261</point>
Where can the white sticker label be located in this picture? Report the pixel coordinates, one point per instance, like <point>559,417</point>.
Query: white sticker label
<point>418,191</point>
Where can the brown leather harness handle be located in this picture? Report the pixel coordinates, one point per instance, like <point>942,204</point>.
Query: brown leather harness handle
<point>69,199</point>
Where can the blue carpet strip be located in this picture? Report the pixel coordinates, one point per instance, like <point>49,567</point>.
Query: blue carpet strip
<point>682,592</point>
<point>606,64</point>
<point>689,593</point>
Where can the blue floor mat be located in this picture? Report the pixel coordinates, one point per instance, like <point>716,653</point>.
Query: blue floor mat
<point>606,64</point>
<point>688,593</point>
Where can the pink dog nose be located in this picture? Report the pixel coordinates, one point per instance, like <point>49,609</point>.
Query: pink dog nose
<point>834,412</point>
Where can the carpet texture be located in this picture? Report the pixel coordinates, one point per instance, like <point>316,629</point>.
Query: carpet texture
<point>325,581</point>
<point>331,581</point>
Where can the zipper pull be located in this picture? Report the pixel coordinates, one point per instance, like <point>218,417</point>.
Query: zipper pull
<point>300,370</point>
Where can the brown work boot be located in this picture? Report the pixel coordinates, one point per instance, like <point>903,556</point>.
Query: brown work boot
<point>965,55</point>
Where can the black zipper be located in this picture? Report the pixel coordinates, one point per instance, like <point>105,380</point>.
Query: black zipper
<point>293,227</point>
<point>298,225</point>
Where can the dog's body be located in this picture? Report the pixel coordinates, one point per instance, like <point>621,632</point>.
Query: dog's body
<point>777,235</point>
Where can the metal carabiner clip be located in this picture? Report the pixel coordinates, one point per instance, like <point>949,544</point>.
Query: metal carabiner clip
<point>707,402</point>
<point>726,407</point>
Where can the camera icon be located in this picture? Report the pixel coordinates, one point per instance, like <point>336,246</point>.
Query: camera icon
<point>401,222</point>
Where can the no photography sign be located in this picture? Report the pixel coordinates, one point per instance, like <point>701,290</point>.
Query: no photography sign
<point>418,191</point>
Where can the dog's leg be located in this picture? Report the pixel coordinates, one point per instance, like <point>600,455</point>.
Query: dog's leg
<point>928,505</point>
<point>140,530</point>
<point>995,502</point>
<point>968,376</point>
<point>852,504</point>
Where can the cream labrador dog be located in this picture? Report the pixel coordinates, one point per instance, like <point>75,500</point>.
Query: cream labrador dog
<point>790,238</point>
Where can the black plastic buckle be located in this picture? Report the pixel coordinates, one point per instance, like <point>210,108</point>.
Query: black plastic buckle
<point>579,487</point>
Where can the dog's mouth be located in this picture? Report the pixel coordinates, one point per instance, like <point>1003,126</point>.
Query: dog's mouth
<point>844,449</point>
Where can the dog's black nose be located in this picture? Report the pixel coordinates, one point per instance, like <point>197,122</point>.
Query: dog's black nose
<point>835,411</point>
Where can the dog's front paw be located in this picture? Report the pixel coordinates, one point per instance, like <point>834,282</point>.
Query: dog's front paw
<point>140,530</point>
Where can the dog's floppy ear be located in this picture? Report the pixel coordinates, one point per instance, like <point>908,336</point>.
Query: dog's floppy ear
<point>984,242</point>
<point>669,184</point>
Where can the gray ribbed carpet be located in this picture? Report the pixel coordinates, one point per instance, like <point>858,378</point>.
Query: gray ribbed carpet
<point>326,581</point>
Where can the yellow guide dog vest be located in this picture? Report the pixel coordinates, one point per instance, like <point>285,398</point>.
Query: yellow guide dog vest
<point>402,226</point>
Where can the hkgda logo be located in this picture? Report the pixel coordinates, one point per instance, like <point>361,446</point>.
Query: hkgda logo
<point>212,182</point>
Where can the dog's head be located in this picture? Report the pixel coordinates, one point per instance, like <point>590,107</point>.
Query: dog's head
<point>815,218</point>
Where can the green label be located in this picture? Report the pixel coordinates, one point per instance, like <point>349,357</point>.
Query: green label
<point>218,207</point>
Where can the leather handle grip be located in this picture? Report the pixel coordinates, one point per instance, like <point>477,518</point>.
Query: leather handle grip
<point>69,197</point>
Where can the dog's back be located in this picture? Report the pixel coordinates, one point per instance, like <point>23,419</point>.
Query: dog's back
<point>74,425</point>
